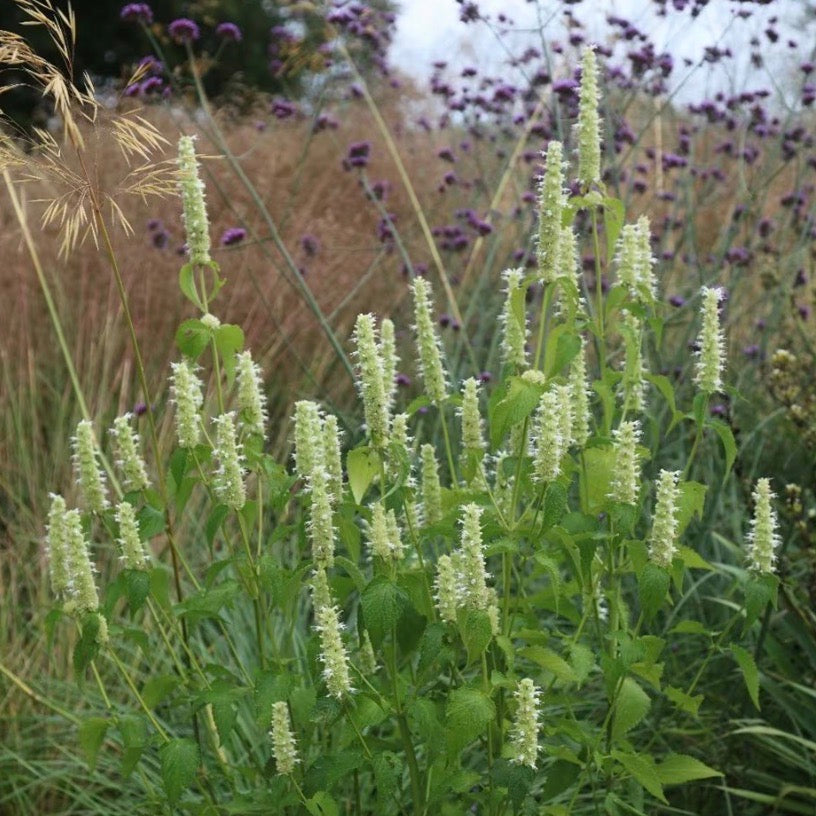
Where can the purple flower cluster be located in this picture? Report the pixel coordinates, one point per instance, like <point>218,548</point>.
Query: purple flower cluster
<point>137,13</point>
<point>183,30</point>
<point>232,236</point>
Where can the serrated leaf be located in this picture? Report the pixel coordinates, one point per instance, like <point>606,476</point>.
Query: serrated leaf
<point>229,340</point>
<point>750,673</point>
<point>642,768</point>
<point>192,337</point>
<point>614,214</point>
<point>158,688</point>
<point>595,477</point>
<point>565,349</point>
<point>214,522</point>
<point>476,631</point>
<point>689,627</point>
<point>690,503</point>
<point>693,560</point>
<point>551,662</point>
<point>187,285</point>
<point>664,386</point>
<point>631,707</point>
<point>519,402</point>
<point>362,465</point>
<point>134,733</point>
<point>685,702</point>
<point>328,769</point>
<point>179,763</point>
<point>760,590</point>
<point>321,804</point>
<point>383,604</point>
<point>208,602</point>
<point>151,522</point>
<point>582,660</point>
<point>676,769</point>
<point>467,714</point>
<point>518,779</point>
<point>92,732</point>
<point>560,776</point>
<point>653,584</point>
<point>423,712</point>
<point>387,772</point>
<point>87,646</point>
<point>554,506</point>
<point>137,588</point>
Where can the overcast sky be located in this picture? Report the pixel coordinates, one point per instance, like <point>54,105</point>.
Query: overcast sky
<point>430,30</point>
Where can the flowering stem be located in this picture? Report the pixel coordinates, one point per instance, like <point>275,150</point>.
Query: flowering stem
<point>696,444</point>
<point>546,301</point>
<point>599,304</point>
<point>448,448</point>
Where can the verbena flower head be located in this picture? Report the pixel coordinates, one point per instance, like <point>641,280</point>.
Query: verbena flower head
<point>251,398</point>
<point>370,380</point>
<point>579,395</point>
<point>514,320</point>
<point>524,737</point>
<point>663,539</point>
<point>321,521</point>
<point>547,438</point>
<point>445,584</point>
<point>229,32</point>
<point>137,12</point>
<point>333,457</point>
<point>429,347</point>
<point>283,740</point>
<point>84,597</point>
<point>431,487</point>
<point>57,544</point>
<point>589,123</point>
<point>129,458</point>
<point>309,452</point>
<point>228,480</point>
<point>333,653</point>
<point>711,354</point>
<point>625,483</point>
<point>388,357</point>
<point>551,197</point>
<point>192,199</point>
<point>763,538</point>
<point>183,30</point>
<point>134,555</point>
<point>475,594</point>
<point>89,474</point>
<point>187,395</point>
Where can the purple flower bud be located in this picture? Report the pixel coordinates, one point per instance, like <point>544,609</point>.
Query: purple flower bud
<point>233,235</point>
<point>485,377</point>
<point>229,31</point>
<point>402,380</point>
<point>310,245</point>
<point>136,13</point>
<point>183,30</point>
<point>677,301</point>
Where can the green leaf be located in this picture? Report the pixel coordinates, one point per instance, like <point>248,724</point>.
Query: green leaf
<point>551,662</point>
<point>750,673</point>
<point>760,590</point>
<point>87,647</point>
<point>582,660</point>
<point>192,337</point>
<point>476,631</point>
<point>214,522</point>
<point>685,702</point>
<point>188,287</point>
<point>151,522</point>
<point>614,214</point>
<point>328,769</point>
<point>560,776</point>
<point>728,443</point>
<point>208,602</point>
<point>520,401</point>
<point>229,340</point>
<point>383,604</point>
<point>321,804</point>
<point>179,762</point>
<point>178,465</point>
<point>676,769</point>
<point>517,779</point>
<point>689,627</point>
<point>693,560</point>
<point>566,348</point>
<point>362,465</point>
<point>92,732</point>
<point>467,714</point>
<point>158,688</point>
<point>631,707</point>
<point>137,588</point>
<point>595,478</point>
<point>664,386</point>
<point>554,506</point>
<point>653,584</point>
<point>387,773</point>
<point>423,713</point>
<point>134,733</point>
<point>642,768</point>
<point>691,502</point>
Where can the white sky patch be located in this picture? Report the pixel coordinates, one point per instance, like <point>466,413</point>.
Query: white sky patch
<point>430,30</point>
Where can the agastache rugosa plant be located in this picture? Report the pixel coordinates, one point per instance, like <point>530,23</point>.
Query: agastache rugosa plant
<point>415,637</point>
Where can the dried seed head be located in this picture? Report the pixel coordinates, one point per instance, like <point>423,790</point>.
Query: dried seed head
<point>431,487</point>
<point>514,320</point>
<point>371,380</point>
<point>251,398</point>
<point>589,123</point>
<point>284,748</point>
<point>763,539</point>
<point>89,475</point>
<point>625,483</point>
<point>711,356</point>
<point>57,544</point>
<point>551,197</point>
<point>662,542</point>
<point>192,200</point>
<point>134,555</point>
<point>128,457</point>
<point>188,398</point>
<point>429,346</point>
<point>309,453</point>
<point>228,479</point>
<point>524,736</point>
